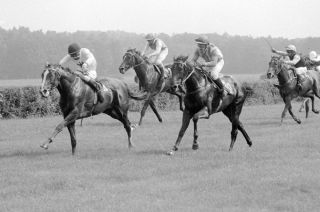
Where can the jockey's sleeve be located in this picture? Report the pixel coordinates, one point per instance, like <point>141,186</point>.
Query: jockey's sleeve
<point>157,50</point>
<point>90,59</point>
<point>281,53</point>
<point>317,59</point>
<point>216,55</point>
<point>294,61</point>
<point>195,56</point>
<point>145,49</point>
<point>65,60</point>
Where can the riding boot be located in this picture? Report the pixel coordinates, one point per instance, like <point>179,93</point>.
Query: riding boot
<point>209,101</point>
<point>161,79</point>
<point>299,82</point>
<point>97,88</point>
<point>220,87</point>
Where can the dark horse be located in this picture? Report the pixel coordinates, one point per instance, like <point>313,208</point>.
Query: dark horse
<point>148,78</point>
<point>287,85</point>
<point>78,100</point>
<point>196,99</point>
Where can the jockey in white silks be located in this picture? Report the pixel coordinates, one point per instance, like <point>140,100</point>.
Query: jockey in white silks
<point>315,59</point>
<point>213,63</point>
<point>295,60</point>
<point>156,51</point>
<point>85,59</point>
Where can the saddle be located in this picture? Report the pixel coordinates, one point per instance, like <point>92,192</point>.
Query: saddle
<point>167,71</point>
<point>227,87</point>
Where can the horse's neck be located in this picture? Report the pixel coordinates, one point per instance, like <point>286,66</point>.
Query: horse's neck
<point>283,77</point>
<point>142,70</point>
<point>66,80</point>
<point>194,82</point>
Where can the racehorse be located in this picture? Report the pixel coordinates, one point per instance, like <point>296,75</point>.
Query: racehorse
<point>196,99</point>
<point>287,85</point>
<point>78,100</point>
<point>148,78</point>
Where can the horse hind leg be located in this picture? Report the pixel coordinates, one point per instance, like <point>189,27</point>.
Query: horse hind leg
<point>195,144</point>
<point>72,132</point>
<point>123,118</point>
<point>233,113</point>
<point>154,109</point>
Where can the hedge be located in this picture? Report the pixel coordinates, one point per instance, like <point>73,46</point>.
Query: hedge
<point>27,102</point>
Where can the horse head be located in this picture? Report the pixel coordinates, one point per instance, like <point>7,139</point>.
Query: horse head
<point>50,78</point>
<point>131,59</point>
<point>276,65</point>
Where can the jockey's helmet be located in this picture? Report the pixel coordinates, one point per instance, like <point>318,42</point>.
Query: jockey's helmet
<point>73,48</point>
<point>312,55</point>
<point>291,48</point>
<point>202,40</point>
<point>150,36</point>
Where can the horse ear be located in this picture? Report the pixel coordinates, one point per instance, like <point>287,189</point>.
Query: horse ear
<point>174,58</point>
<point>47,65</point>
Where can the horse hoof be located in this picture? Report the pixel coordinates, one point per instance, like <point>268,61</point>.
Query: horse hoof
<point>133,127</point>
<point>316,111</point>
<point>195,146</point>
<point>170,153</point>
<point>298,121</point>
<point>44,146</point>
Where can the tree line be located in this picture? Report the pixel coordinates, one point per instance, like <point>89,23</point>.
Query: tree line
<point>23,53</point>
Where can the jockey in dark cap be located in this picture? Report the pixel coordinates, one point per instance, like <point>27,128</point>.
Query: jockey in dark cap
<point>85,59</point>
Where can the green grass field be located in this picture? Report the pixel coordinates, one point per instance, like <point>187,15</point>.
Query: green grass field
<point>280,172</point>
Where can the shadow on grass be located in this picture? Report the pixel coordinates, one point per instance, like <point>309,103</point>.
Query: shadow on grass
<point>32,154</point>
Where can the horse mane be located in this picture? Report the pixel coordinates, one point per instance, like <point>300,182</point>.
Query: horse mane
<point>184,59</point>
<point>137,52</point>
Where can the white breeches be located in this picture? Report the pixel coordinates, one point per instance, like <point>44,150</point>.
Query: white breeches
<point>301,70</point>
<point>92,74</point>
<point>158,59</point>
<point>214,71</point>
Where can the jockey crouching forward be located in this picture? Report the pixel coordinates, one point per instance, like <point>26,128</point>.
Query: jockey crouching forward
<point>213,64</point>
<point>156,51</point>
<point>295,60</point>
<point>85,59</point>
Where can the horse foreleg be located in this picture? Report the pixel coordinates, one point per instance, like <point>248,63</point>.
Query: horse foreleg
<point>312,106</point>
<point>185,123</point>
<point>244,133</point>
<point>71,117</point>
<point>72,132</point>
<point>195,144</point>
<point>154,109</point>
<point>144,108</point>
<point>289,108</point>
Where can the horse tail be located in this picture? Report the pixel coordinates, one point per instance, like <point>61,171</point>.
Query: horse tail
<point>137,96</point>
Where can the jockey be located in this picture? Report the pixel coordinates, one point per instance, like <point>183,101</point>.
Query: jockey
<point>295,60</point>
<point>315,59</point>
<point>156,51</point>
<point>213,64</point>
<point>85,59</point>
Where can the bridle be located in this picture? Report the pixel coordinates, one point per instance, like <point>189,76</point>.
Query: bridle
<point>131,55</point>
<point>184,64</point>
<point>278,65</point>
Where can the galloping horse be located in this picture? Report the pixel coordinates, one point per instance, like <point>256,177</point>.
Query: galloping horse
<point>287,85</point>
<point>196,99</point>
<point>78,100</point>
<point>148,78</point>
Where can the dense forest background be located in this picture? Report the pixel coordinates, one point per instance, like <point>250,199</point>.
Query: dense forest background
<point>23,53</point>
